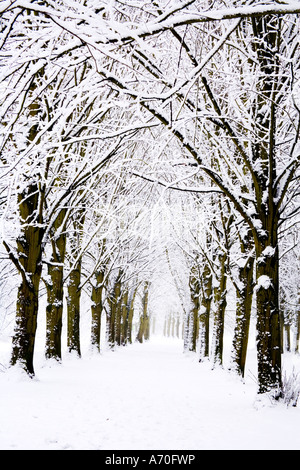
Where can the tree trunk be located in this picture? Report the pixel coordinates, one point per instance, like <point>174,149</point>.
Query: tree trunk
<point>112,314</point>
<point>187,328</point>
<point>204,317</point>
<point>73,309</point>
<point>125,315</point>
<point>244,294</point>
<point>268,325</point>
<point>266,44</point>
<point>74,283</point>
<point>55,291</point>
<point>177,326</point>
<point>118,312</point>
<point>29,264</point>
<point>144,328</point>
<point>130,314</point>
<point>173,326</point>
<point>287,339</point>
<point>97,309</point>
<point>194,315</point>
<point>297,345</point>
<point>54,312</point>
<point>31,201</point>
<point>219,316</point>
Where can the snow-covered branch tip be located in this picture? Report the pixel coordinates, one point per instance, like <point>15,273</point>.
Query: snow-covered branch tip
<point>187,189</point>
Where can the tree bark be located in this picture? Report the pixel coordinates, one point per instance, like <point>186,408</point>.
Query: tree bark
<point>29,264</point>
<point>74,285</point>
<point>267,32</point>
<point>144,328</point>
<point>287,337</point>
<point>297,345</point>
<point>268,324</point>
<point>204,318</point>
<point>130,314</point>
<point>73,309</point>
<point>220,297</point>
<point>125,315</point>
<point>244,294</point>
<point>97,308</point>
<point>113,312</point>
<point>195,290</point>
<point>28,260</point>
<point>55,290</point>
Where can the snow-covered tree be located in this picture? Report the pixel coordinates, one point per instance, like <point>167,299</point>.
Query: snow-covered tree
<point>218,82</point>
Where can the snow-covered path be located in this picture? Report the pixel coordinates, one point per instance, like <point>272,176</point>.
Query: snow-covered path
<point>150,397</point>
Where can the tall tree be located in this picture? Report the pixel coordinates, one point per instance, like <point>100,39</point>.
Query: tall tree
<point>229,98</point>
<point>39,115</point>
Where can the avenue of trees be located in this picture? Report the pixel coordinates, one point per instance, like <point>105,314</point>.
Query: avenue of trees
<point>149,139</point>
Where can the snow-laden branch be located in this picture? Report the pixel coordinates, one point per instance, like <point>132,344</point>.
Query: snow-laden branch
<point>8,5</point>
<point>126,130</point>
<point>194,74</point>
<point>101,29</point>
<point>187,189</point>
<point>178,20</point>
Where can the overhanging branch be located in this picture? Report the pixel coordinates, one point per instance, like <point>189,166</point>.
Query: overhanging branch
<point>203,190</point>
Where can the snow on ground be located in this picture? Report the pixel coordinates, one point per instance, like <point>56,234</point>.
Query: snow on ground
<point>142,397</point>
